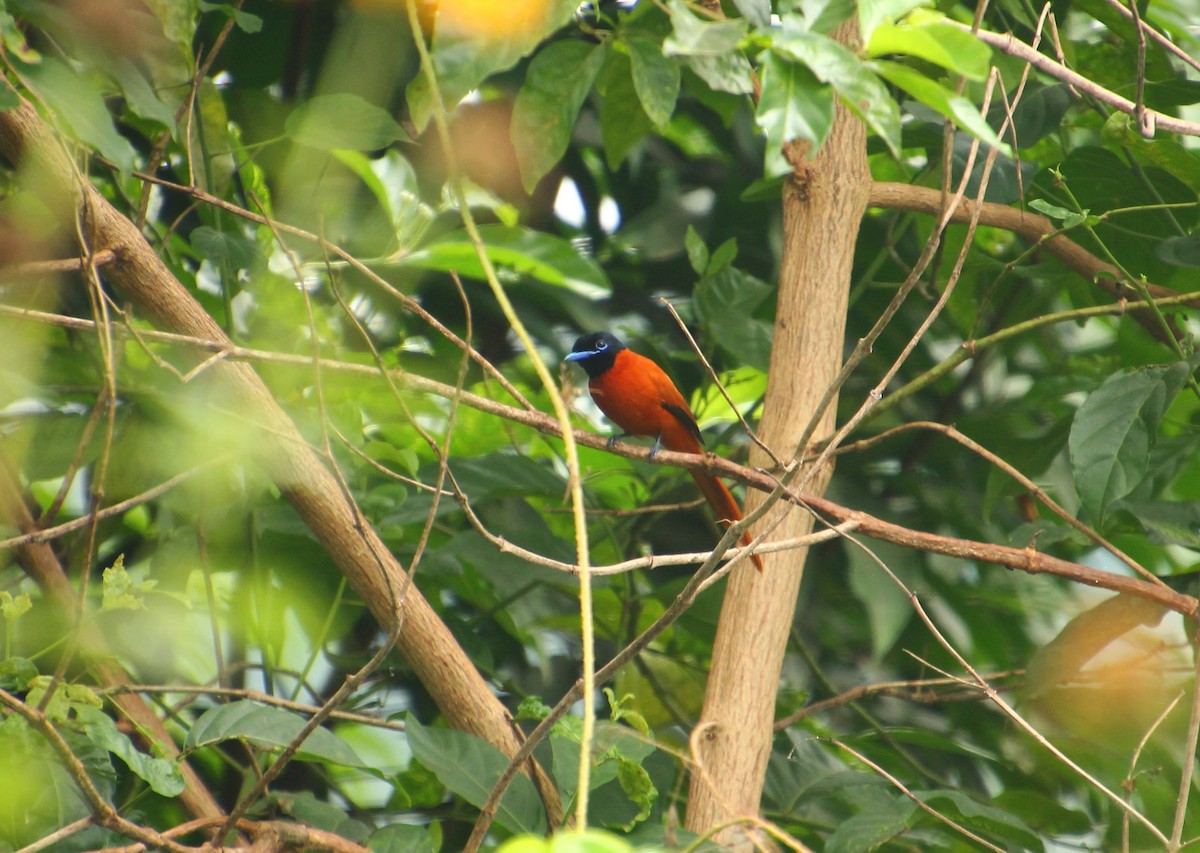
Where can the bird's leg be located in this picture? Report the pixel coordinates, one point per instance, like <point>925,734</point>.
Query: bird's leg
<point>613,439</point>
<point>657,446</point>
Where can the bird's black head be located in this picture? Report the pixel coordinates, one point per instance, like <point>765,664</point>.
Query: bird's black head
<point>595,352</point>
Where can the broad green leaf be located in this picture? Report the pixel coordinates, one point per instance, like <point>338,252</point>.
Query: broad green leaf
<point>163,777</point>
<point>469,766</point>
<point>623,120</point>
<point>1164,153</point>
<point>757,12</point>
<point>1039,113</point>
<point>726,304</point>
<point>327,122</point>
<point>872,13</point>
<point>139,93</point>
<point>270,728</point>
<point>224,248</point>
<point>245,21</point>
<point>794,105</point>
<point>528,253</point>
<point>393,182</point>
<point>887,606</point>
<point>1114,430</point>
<point>860,90</point>
<point>558,80</point>
<point>692,35</point>
<point>655,77</point>
<point>940,99</point>
<point>928,37</point>
<point>982,817</point>
<point>871,828</point>
<point>80,109</point>
<point>1169,522</point>
<point>473,40</point>
<point>401,838</point>
<point>710,49</point>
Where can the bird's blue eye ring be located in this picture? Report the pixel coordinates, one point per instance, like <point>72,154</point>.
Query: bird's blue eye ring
<point>601,344</point>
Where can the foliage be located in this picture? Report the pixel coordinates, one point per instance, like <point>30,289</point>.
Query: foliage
<point>614,154</point>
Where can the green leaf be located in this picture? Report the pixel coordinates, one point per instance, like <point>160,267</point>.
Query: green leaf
<point>637,785</point>
<point>1114,430</point>
<point>224,248</point>
<point>888,609</point>
<point>872,13</point>
<point>725,303</point>
<point>860,90</point>
<point>1165,153</point>
<point>328,122</point>
<point>401,838</point>
<point>710,48</point>
<point>558,80</point>
<point>655,77</point>
<point>13,607</point>
<point>245,21</point>
<point>9,98</point>
<point>120,591</point>
<point>469,46</point>
<point>757,12</point>
<point>469,766</point>
<point>794,105</point>
<point>1069,218</point>
<point>692,35</point>
<point>16,673</point>
<point>872,828</point>
<point>928,37</point>
<point>623,120</point>
<point>982,817</point>
<point>697,252</point>
<point>519,250</point>
<point>270,728</point>
<point>1169,522</point>
<point>940,99</point>
<point>163,777</point>
<point>80,108</point>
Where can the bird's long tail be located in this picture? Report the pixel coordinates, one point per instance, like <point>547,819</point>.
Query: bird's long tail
<point>725,507</point>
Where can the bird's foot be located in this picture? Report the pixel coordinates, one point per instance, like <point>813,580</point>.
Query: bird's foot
<point>656,447</point>
<point>613,439</point>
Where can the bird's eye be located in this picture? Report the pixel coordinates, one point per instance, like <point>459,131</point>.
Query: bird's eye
<point>601,344</point>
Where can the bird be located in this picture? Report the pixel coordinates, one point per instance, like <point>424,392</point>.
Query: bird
<point>638,396</point>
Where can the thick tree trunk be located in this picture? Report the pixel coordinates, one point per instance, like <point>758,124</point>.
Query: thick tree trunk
<point>823,203</point>
<point>441,664</point>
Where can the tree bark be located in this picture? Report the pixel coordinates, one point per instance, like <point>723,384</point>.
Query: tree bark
<point>823,203</point>
<point>137,273</point>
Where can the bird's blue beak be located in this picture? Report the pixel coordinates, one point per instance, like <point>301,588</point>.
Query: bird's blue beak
<point>579,356</point>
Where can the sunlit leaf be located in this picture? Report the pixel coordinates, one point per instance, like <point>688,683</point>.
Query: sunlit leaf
<point>548,259</point>
<point>935,96</point>
<point>928,37</point>
<point>795,105</point>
